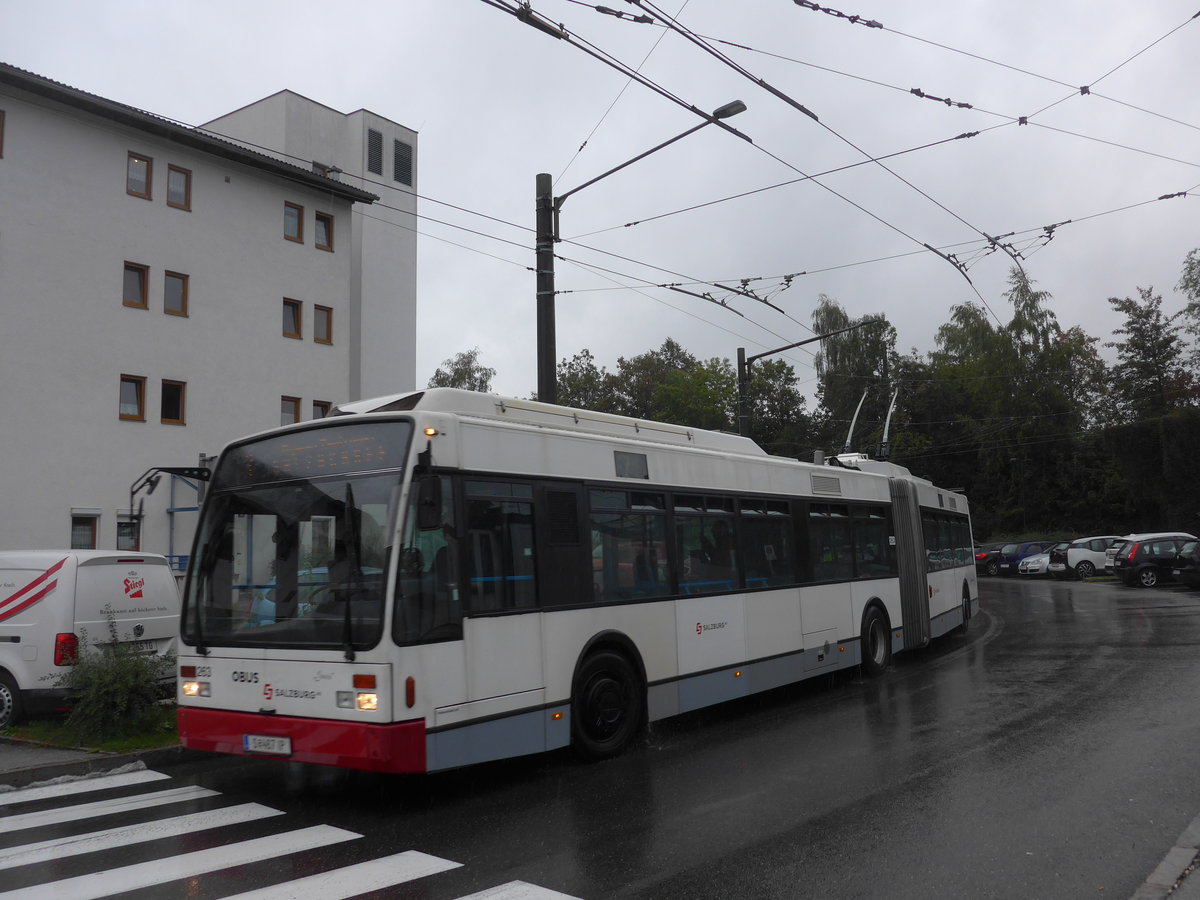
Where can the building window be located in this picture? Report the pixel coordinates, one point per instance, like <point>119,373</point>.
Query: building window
<point>129,535</point>
<point>321,408</point>
<point>133,398</point>
<point>83,532</point>
<point>173,404</point>
<point>133,293</point>
<point>324,235</point>
<point>179,187</point>
<point>322,324</point>
<point>402,159</point>
<point>293,222</point>
<point>175,294</point>
<point>374,151</point>
<point>138,174</point>
<point>291,318</point>
<point>289,410</point>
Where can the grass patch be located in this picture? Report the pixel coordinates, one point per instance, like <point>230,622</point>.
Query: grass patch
<point>159,731</point>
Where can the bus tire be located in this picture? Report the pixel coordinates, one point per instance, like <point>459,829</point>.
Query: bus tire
<point>876,643</point>
<point>966,611</point>
<point>10,701</point>
<point>607,706</point>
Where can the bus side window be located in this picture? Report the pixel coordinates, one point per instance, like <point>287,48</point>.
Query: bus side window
<point>767,537</point>
<point>500,552</point>
<point>429,606</point>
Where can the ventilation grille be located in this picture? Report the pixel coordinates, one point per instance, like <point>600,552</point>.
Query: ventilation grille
<point>374,151</point>
<point>827,484</point>
<point>402,159</point>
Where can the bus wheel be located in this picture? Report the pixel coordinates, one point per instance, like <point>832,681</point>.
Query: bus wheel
<point>876,642</point>
<point>606,706</point>
<point>10,701</point>
<point>966,612</point>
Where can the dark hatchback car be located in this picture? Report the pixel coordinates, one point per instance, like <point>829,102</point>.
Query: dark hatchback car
<point>1187,564</point>
<point>987,558</point>
<point>1011,554</point>
<point>1148,559</point>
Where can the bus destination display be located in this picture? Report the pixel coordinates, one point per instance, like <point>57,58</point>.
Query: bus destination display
<point>359,447</point>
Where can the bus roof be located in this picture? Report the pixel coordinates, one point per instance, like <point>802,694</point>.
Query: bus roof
<point>473,404</point>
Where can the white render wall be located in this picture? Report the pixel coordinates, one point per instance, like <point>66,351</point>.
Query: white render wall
<point>67,226</point>
<point>301,131</point>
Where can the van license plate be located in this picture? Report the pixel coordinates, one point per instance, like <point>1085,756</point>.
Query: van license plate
<point>261,743</point>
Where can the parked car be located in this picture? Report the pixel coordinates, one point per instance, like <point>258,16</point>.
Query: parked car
<point>1187,564</point>
<point>987,558</point>
<point>1147,559</point>
<point>1011,554</point>
<point>1082,557</point>
<point>1039,563</point>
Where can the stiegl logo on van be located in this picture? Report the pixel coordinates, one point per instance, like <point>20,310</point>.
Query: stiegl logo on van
<point>134,583</point>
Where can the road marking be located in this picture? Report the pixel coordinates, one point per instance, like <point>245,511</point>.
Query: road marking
<point>111,838</point>
<point>350,881</point>
<point>101,808</point>
<point>187,865</point>
<point>77,786</point>
<point>518,890</point>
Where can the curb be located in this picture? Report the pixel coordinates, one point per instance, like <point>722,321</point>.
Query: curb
<point>92,762</point>
<point>1172,873</point>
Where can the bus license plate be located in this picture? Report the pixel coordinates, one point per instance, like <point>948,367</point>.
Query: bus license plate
<point>261,743</point>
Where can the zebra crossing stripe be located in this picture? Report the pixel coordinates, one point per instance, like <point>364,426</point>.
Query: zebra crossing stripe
<point>78,786</point>
<point>187,865</point>
<point>111,838</point>
<point>101,808</point>
<point>518,890</point>
<point>350,881</point>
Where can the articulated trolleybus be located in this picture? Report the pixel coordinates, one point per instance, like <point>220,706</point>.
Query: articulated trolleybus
<point>435,579</point>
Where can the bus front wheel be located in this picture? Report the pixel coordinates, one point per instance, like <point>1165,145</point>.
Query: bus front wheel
<point>606,706</point>
<point>876,642</point>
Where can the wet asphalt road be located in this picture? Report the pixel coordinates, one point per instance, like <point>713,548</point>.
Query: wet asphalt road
<point>1050,753</point>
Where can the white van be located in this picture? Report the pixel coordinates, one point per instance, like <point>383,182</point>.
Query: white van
<point>49,599</point>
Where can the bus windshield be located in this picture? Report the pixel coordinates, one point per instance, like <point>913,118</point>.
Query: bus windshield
<point>300,562</point>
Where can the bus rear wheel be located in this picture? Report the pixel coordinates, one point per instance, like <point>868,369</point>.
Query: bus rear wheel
<point>10,701</point>
<point>606,706</point>
<point>876,642</point>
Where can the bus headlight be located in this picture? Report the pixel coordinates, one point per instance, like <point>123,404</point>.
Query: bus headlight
<point>368,702</point>
<point>196,689</point>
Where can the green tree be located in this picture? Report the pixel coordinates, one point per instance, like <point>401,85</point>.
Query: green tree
<point>584,385</point>
<point>638,378</point>
<point>1149,376</point>
<point>704,396</point>
<point>779,421</point>
<point>464,370</point>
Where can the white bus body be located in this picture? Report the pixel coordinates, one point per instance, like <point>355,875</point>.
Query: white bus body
<point>436,579</point>
<point>49,599</point>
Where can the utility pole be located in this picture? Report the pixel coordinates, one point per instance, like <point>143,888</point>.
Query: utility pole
<point>547,354</point>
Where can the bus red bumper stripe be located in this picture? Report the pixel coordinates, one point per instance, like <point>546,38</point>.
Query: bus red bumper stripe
<point>376,748</point>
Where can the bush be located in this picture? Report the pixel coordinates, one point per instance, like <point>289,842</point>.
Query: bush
<point>115,688</point>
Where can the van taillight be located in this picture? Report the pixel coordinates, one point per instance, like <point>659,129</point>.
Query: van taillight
<point>66,649</point>
<point>1133,549</point>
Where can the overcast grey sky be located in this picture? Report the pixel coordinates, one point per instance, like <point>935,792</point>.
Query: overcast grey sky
<point>496,101</point>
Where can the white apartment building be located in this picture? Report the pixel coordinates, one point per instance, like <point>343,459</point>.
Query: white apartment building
<point>167,289</point>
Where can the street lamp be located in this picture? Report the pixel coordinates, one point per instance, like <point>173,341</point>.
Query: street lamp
<point>744,363</point>
<point>548,207</point>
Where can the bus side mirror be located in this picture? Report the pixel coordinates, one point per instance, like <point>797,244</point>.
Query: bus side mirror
<point>429,502</point>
